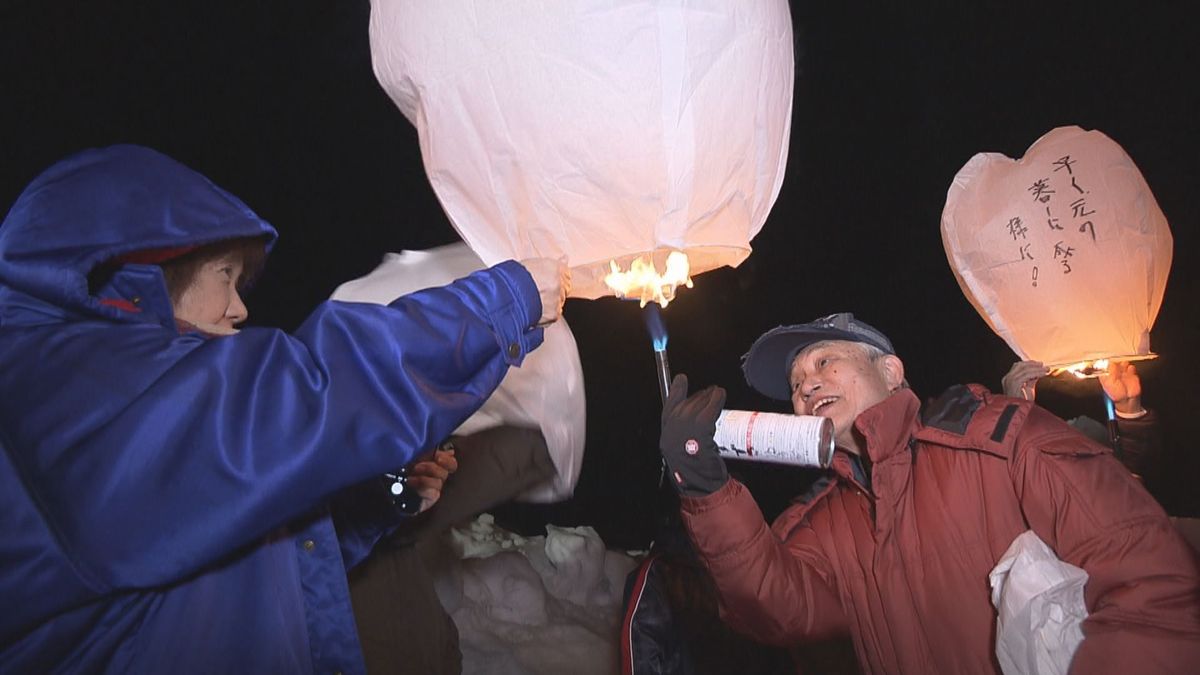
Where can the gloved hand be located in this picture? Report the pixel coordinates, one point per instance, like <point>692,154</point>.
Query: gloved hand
<point>688,425</point>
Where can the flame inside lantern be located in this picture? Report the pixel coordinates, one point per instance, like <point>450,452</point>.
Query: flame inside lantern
<point>1095,368</point>
<point>1083,369</point>
<point>643,281</point>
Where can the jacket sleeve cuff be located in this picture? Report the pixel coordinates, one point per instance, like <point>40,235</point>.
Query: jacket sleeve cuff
<point>516,323</point>
<point>715,499</point>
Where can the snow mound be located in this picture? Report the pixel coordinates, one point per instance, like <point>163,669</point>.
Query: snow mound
<point>532,606</point>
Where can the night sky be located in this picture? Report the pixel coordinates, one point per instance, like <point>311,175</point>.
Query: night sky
<point>276,101</point>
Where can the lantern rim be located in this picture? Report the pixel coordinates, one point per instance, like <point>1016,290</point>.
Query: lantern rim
<point>1057,369</point>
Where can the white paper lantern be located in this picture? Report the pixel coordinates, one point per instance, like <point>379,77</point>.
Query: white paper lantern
<point>595,130</point>
<point>1064,252</point>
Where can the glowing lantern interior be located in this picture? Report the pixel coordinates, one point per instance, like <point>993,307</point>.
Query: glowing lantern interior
<point>1083,369</point>
<point>1088,369</point>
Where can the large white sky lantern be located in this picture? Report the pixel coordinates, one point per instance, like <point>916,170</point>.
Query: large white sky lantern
<point>1064,252</point>
<point>599,130</point>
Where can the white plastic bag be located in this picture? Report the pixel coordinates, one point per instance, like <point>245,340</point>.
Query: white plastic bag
<point>1039,599</point>
<point>545,392</point>
<point>1063,252</point>
<point>595,129</point>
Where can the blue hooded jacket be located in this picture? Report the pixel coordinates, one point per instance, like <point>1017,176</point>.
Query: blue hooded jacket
<point>165,496</point>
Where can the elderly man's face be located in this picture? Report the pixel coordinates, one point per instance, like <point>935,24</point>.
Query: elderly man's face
<point>839,380</point>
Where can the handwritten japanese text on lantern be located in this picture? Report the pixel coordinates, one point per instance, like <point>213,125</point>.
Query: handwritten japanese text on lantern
<point>1063,252</point>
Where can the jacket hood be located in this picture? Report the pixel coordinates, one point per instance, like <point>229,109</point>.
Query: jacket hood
<point>106,204</point>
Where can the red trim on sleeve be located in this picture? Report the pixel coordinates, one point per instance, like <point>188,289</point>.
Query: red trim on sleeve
<point>120,303</point>
<point>634,600</point>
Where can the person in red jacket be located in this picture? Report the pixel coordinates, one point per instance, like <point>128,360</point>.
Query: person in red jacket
<point>894,546</point>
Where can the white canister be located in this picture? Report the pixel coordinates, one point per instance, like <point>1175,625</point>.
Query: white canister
<point>799,440</point>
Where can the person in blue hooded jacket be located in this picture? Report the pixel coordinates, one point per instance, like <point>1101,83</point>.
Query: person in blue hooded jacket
<point>179,498</point>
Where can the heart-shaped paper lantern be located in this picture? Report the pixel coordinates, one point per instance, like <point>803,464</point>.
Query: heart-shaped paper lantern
<point>1063,252</point>
<point>597,130</point>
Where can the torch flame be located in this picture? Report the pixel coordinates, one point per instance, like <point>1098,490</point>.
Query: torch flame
<point>643,281</point>
<point>1084,369</point>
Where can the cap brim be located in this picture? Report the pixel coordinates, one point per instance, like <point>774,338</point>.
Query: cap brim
<point>767,363</point>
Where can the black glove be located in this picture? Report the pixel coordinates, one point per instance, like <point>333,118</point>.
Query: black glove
<point>687,442</point>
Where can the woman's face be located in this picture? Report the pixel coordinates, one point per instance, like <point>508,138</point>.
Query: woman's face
<point>212,298</point>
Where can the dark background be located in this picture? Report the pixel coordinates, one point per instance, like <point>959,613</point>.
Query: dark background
<point>276,101</point>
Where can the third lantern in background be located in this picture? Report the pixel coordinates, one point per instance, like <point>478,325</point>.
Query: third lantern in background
<point>1064,252</point>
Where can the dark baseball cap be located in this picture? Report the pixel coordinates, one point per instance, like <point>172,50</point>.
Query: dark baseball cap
<point>766,364</point>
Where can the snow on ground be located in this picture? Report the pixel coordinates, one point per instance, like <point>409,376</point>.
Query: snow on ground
<point>532,606</point>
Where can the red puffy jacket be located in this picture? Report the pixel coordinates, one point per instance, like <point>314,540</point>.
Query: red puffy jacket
<point>902,565</point>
